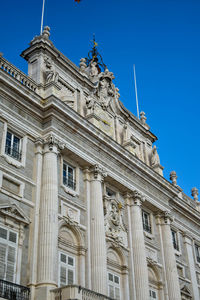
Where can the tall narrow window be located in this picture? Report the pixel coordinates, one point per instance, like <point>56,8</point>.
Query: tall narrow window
<point>113,286</point>
<point>175,240</point>
<point>69,176</point>
<point>67,269</point>
<point>8,251</point>
<point>146,221</point>
<point>13,146</point>
<point>197,251</point>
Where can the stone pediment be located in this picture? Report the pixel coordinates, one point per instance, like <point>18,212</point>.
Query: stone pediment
<point>186,292</point>
<point>15,212</point>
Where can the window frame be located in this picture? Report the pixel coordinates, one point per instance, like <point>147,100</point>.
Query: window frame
<point>151,290</point>
<point>23,145</point>
<point>114,284</point>
<point>8,244</point>
<point>197,248</point>
<point>75,166</point>
<point>67,165</point>
<point>175,240</point>
<point>67,267</point>
<point>147,227</point>
<point>19,151</point>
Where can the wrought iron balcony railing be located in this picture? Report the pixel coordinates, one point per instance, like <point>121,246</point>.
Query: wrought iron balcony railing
<point>12,291</point>
<point>13,152</point>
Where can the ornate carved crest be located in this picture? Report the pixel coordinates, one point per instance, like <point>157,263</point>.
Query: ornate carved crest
<point>15,212</point>
<point>114,226</point>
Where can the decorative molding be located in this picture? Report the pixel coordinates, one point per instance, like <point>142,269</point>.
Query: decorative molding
<point>97,171</point>
<point>15,212</point>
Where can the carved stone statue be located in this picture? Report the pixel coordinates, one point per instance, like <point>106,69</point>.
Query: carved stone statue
<point>49,72</point>
<point>105,88</point>
<point>154,158</point>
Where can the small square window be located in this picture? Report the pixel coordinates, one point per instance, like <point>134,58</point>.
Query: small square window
<point>69,176</point>
<point>146,221</point>
<point>175,240</point>
<point>13,146</point>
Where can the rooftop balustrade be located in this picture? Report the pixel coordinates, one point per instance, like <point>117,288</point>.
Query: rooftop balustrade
<point>17,74</point>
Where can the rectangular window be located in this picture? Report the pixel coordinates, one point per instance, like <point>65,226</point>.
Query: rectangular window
<point>113,286</point>
<point>152,295</point>
<point>69,176</point>
<point>67,269</point>
<point>197,251</point>
<point>8,251</point>
<point>175,240</point>
<point>146,221</point>
<point>13,146</point>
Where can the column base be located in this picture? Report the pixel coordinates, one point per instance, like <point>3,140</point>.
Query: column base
<point>43,292</point>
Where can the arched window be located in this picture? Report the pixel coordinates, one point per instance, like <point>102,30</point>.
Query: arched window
<point>71,257</point>
<point>117,277</point>
<point>155,282</point>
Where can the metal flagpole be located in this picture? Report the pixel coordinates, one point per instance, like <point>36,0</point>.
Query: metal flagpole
<point>42,17</point>
<point>138,115</point>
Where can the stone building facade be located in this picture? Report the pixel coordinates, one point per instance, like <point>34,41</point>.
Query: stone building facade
<point>85,212</point>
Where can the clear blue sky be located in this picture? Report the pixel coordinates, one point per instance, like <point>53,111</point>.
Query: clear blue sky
<point>162,38</point>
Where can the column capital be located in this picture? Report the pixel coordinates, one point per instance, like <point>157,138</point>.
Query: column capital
<point>98,172</point>
<point>165,217</point>
<point>53,144</point>
<point>137,198</point>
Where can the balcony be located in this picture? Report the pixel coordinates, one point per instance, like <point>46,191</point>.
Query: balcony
<point>12,291</point>
<point>71,292</point>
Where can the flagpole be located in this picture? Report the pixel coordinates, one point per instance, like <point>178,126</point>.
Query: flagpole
<point>136,95</point>
<point>42,18</point>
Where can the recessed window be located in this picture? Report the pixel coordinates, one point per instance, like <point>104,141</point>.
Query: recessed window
<point>146,221</point>
<point>175,240</point>
<point>8,250</point>
<point>152,295</point>
<point>69,176</point>
<point>13,145</point>
<point>113,286</point>
<point>110,193</point>
<point>197,251</point>
<point>67,269</point>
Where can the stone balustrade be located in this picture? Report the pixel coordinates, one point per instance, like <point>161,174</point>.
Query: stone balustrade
<point>17,74</point>
<point>76,292</point>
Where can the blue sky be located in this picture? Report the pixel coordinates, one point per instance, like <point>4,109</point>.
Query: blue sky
<point>162,38</point>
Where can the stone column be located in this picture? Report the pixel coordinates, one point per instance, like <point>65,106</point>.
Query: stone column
<point>138,245</point>
<point>48,228</point>
<point>97,232</point>
<point>191,263</point>
<point>169,258</point>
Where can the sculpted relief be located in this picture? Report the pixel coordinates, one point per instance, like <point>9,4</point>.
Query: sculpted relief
<point>114,226</point>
